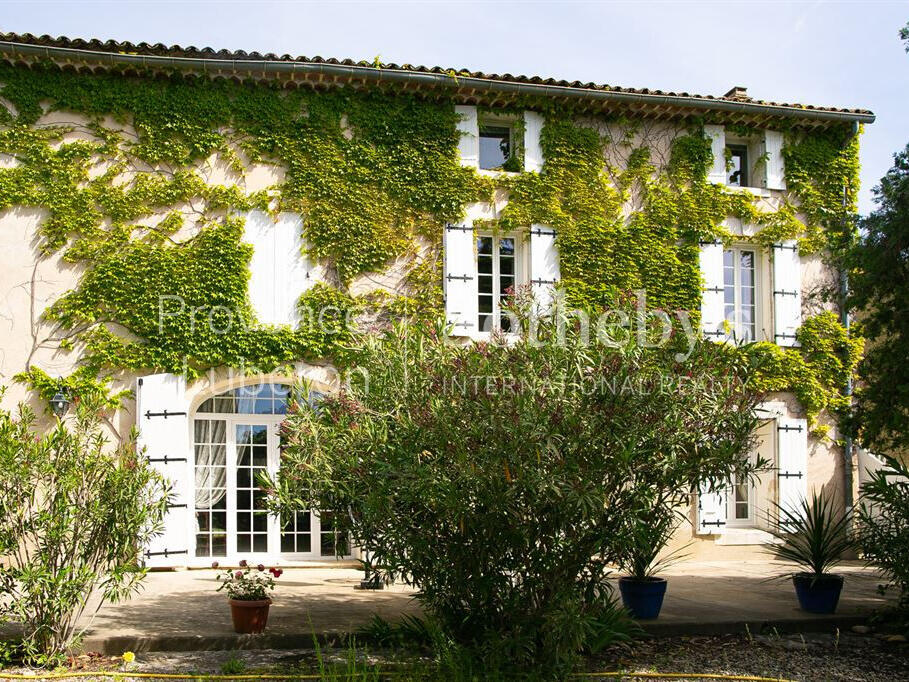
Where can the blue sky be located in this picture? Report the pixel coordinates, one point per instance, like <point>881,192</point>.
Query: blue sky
<point>824,53</point>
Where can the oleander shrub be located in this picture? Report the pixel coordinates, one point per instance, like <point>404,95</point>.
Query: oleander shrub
<point>497,476</point>
<point>74,513</point>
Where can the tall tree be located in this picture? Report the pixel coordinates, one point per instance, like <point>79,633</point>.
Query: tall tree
<point>879,265</point>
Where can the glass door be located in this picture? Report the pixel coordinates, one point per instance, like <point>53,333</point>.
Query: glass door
<point>251,518</point>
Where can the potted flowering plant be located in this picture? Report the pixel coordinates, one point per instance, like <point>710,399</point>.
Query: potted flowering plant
<point>247,592</point>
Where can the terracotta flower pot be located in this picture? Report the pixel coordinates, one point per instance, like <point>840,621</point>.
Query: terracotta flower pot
<point>250,617</point>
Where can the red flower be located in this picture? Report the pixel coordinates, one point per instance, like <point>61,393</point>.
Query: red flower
<point>243,563</point>
<point>238,575</point>
<point>214,564</point>
<point>260,567</point>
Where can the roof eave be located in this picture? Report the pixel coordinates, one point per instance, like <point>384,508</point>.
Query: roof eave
<point>453,81</point>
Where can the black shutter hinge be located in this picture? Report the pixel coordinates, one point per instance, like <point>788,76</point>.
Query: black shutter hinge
<point>463,278</point>
<point>784,248</point>
<point>785,293</point>
<point>166,459</point>
<point>788,428</point>
<point>786,474</point>
<point>544,281</point>
<point>149,414</point>
<point>460,228</point>
<point>166,553</point>
<point>543,233</point>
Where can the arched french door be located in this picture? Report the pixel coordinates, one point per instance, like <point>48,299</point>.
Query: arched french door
<point>235,438</point>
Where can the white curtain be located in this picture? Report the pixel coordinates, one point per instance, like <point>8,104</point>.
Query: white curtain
<point>211,462</point>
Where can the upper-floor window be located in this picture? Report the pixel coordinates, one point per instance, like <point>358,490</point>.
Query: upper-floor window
<point>740,291</point>
<point>737,167</point>
<point>501,147</point>
<point>498,271</point>
<point>495,146</point>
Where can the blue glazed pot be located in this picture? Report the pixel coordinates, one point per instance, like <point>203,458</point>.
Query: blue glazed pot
<point>643,598</point>
<point>818,593</point>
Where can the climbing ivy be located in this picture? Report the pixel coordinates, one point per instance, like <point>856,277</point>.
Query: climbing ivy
<point>126,196</point>
<point>371,172</point>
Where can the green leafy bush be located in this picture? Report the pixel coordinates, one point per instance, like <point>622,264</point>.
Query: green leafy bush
<point>884,524</point>
<point>74,514</point>
<point>497,477</point>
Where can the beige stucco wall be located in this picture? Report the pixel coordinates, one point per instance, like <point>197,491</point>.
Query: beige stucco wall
<point>29,283</point>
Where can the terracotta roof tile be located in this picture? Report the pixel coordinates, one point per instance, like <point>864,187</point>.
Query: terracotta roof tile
<point>159,49</point>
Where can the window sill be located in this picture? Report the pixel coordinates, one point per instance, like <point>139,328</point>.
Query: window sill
<point>497,173</point>
<point>745,536</point>
<point>757,191</point>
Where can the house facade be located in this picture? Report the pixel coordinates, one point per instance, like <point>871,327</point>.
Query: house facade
<point>195,227</point>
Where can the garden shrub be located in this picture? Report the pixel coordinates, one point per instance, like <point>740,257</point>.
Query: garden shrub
<point>74,514</point>
<point>884,524</point>
<point>497,476</point>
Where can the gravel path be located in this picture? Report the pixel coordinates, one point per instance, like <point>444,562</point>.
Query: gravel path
<point>843,657</point>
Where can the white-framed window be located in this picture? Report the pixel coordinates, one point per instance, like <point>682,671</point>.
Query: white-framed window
<point>741,273</point>
<point>500,147</point>
<point>737,167</point>
<point>235,439</point>
<point>499,273</point>
<point>741,502</point>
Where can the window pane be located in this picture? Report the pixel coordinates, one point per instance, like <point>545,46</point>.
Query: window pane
<point>484,285</point>
<point>738,163</point>
<point>484,245</point>
<point>484,265</point>
<point>506,246</point>
<point>495,146</point>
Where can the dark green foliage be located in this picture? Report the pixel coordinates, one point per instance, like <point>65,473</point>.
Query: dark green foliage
<point>879,282</point>
<point>73,517</point>
<point>884,524</point>
<point>498,477</point>
<point>814,536</point>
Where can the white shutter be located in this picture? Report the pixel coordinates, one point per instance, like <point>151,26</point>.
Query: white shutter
<point>774,176</point>
<point>792,462</point>
<point>712,301</point>
<point>717,136</point>
<point>279,273</point>
<point>291,274</point>
<point>460,279</point>
<point>787,292</point>
<point>533,153</point>
<point>469,141</point>
<point>259,233</point>
<point>544,264</point>
<point>163,424</point>
<point>711,517</point>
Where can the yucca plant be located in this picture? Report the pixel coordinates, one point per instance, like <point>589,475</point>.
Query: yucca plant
<point>815,535</point>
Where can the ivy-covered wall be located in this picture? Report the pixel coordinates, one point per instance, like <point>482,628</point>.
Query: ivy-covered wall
<point>128,196</point>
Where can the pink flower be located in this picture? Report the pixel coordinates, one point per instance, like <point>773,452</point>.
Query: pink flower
<point>243,563</point>
<point>214,564</point>
<point>238,575</point>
